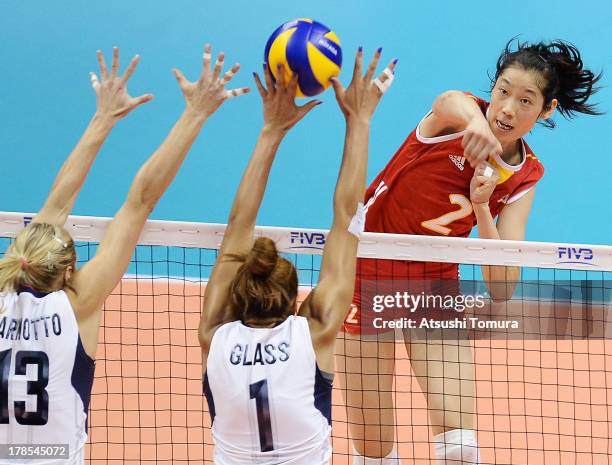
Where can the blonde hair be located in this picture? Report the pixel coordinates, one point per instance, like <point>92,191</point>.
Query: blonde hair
<point>37,258</point>
<point>266,284</point>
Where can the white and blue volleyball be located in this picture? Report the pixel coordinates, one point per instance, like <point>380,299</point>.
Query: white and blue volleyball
<point>308,48</point>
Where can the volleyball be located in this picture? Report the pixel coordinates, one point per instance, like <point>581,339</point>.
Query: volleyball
<point>308,48</point>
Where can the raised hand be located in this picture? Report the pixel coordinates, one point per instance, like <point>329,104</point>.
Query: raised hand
<point>280,110</point>
<point>479,142</point>
<point>360,98</point>
<point>112,97</point>
<point>483,183</point>
<point>207,94</point>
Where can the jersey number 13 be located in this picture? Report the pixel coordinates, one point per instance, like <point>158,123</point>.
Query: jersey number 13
<point>23,358</point>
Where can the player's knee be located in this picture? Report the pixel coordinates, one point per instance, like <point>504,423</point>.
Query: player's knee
<point>457,447</point>
<point>386,455</point>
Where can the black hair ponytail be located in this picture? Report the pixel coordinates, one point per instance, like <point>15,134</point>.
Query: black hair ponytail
<point>560,64</point>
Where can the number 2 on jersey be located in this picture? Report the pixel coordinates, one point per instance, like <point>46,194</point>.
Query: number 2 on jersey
<point>439,224</point>
<point>259,392</point>
<point>436,224</point>
<point>23,358</point>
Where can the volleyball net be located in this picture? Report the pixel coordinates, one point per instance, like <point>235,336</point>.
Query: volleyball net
<point>541,392</point>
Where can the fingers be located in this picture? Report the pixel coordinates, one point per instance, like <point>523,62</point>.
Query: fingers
<point>227,77</point>
<point>474,149</point>
<point>237,92</point>
<point>384,81</point>
<point>260,87</point>
<point>280,75</point>
<point>486,151</point>
<point>472,161</point>
<point>338,88</point>
<point>465,141</point>
<point>115,65</point>
<point>206,56</point>
<point>373,65</point>
<point>486,180</point>
<point>130,69</point>
<point>470,158</point>
<point>102,63</point>
<point>268,78</point>
<point>94,80</point>
<point>218,66</point>
<point>304,109</point>
<point>479,150</point>
<point>293,83</point>
<point>357,70</point>
<point>137,101</point>
<point>180,77</point>
<point>474,158</point>
<point>480,169</point>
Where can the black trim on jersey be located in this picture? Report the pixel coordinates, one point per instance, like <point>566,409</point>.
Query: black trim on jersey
<point>323,394</point>
<point>83,376</point>
<point>209,397</point>
<point>34,292</point>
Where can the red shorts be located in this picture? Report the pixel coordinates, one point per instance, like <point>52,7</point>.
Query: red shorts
<point>396,290</point>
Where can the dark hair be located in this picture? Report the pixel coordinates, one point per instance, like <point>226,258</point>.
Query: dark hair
<point>265,285</point>
<point>560,65</point>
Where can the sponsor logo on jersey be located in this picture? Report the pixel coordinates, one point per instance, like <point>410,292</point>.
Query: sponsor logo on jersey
<point>458,161</point>
<point>306,240</point>
<point>504,199</point>
<point>578,255</point>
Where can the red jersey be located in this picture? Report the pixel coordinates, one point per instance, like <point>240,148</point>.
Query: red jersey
<point>425,190</point>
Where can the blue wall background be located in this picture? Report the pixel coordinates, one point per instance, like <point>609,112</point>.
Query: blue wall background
<point>48,48</point>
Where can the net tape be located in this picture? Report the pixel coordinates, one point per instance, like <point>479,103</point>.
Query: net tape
<point>372,245</point>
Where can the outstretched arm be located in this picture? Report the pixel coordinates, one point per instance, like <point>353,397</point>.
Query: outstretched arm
<point>280,114</point>
<point>329,301</point>
<point>112,103</point>
<point>96,280</point>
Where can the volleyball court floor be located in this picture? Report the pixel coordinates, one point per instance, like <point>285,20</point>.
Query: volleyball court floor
<point>538,402</point>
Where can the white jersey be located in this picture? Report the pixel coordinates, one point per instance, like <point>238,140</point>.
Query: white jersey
<point>269,402</point>
<point>46,374</point>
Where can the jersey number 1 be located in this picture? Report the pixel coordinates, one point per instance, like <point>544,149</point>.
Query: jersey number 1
<point>23,358</point>
<point>259,392</point>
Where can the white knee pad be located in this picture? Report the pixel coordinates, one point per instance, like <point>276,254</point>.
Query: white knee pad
<point>391,459</point>
<point>457,447</point>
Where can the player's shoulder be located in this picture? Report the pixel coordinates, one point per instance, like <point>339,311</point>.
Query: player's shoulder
<point>531,161</point>
<point>482,103</point>
<point>302,322</point>
<point>7,298</point>
<point>59,298</point>
<point>30,294</point>
<point>223,329</point>
<point>7,294</point>
<point>292,322</point>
